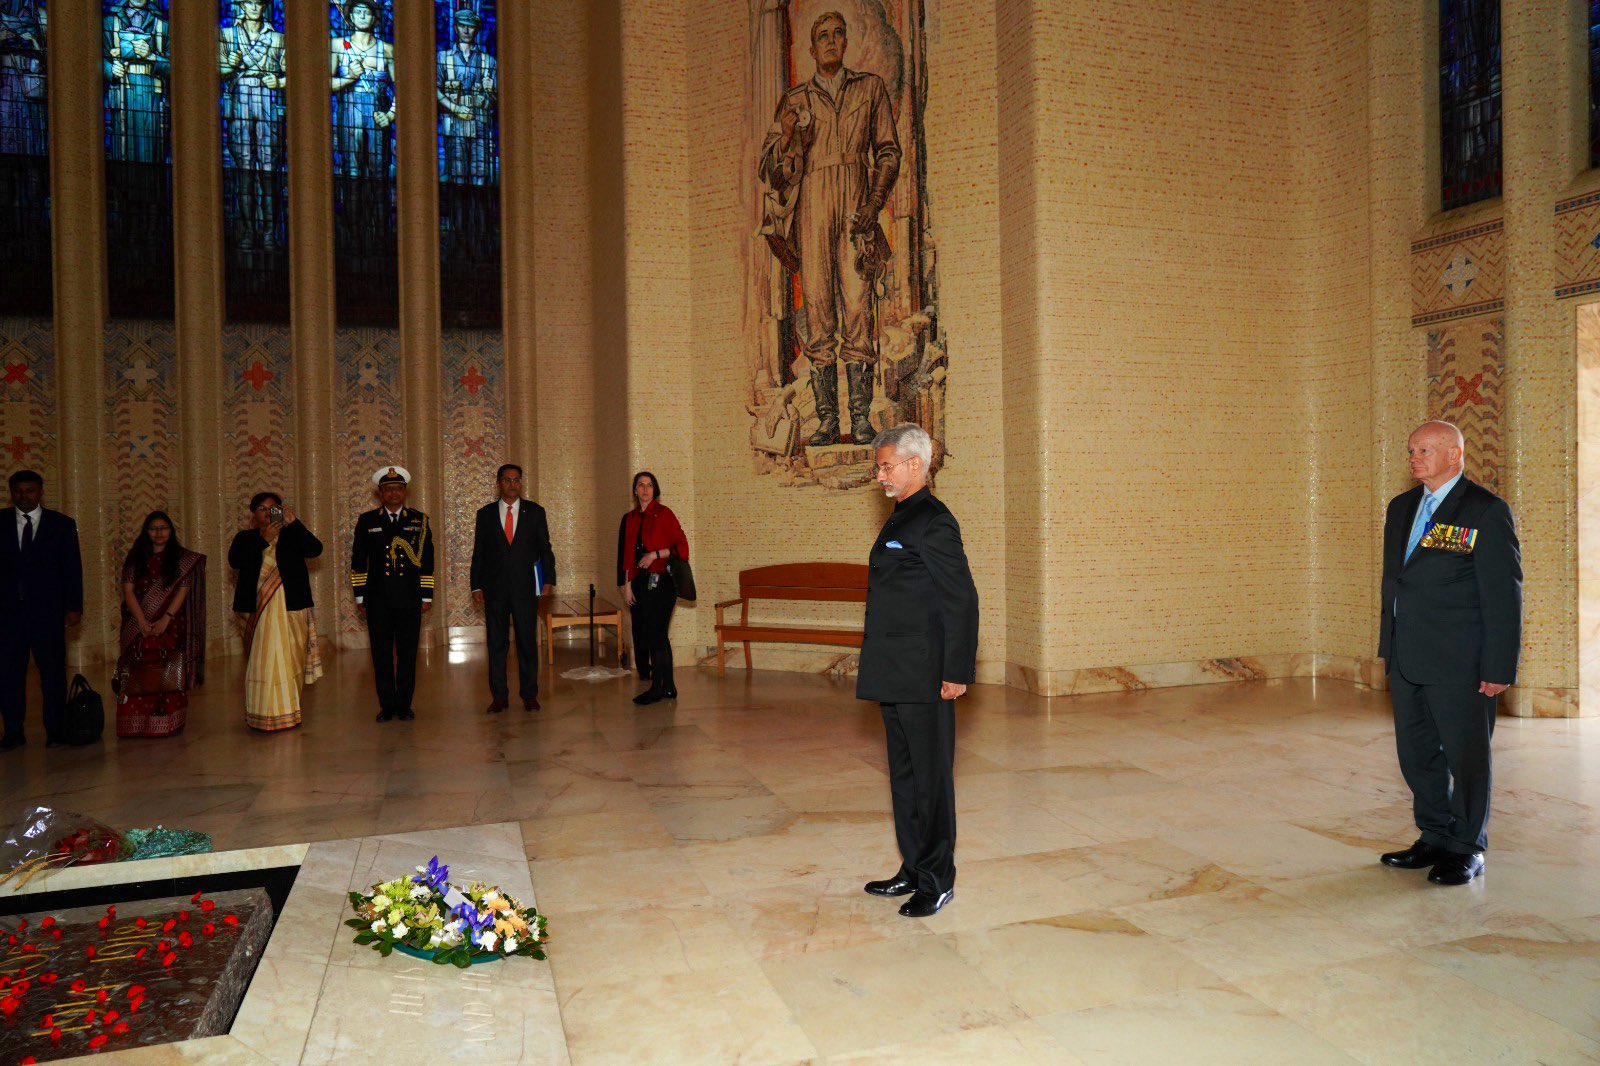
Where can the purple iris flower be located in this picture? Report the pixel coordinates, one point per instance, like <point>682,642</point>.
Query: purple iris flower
<point>434,876</point>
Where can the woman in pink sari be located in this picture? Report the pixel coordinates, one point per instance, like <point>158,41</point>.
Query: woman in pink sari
<point>163,637</point>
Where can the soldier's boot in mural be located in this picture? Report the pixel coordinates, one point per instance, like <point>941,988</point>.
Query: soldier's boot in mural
<point>859,376</point>
<point>825,388</point>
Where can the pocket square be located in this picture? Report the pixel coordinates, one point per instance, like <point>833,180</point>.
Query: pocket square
<point>893,544</point>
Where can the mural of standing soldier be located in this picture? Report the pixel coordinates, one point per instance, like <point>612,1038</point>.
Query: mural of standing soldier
<point>137,66</point>
<point>253,73</point>
<point>832,156</point>
<point>22,93</point>
<point>363,81</point>
<point>467,89</point>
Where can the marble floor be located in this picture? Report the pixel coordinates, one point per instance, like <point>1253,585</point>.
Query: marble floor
<point>1181,875</point>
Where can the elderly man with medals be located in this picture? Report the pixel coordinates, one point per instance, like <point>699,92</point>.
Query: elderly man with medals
<point>391,574</point>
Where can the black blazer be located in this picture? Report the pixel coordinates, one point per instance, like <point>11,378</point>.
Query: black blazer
<point>1445,616</point>
<point>295,545</point>
<point>922,607</point>
<point>505,571</point>
<point>47,583</point>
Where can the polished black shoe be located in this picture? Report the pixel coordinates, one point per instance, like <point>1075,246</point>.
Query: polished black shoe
<point>891,886</point>
<point>55,742</point>
<point>647,697</point>
<point>530,703</point>
<point>12,740</point>
<point>1457,869</point>
<point>406,715</point>
<point>385,715</point>
<point>496,705</point>
<point>1415,857</point>
<point>668,694</point>
<point>926,904</point>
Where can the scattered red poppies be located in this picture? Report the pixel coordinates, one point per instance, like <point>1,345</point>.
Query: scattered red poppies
<point>208,929</point>
<point>79,985</point>
<point>207,905</point>
<point>89,952</point>
<point>101,996</point>
<point>140,922</point>
<point>230,919</point>
<point>140,953</point>
<point>120,1027</point>
<point>47,978</point>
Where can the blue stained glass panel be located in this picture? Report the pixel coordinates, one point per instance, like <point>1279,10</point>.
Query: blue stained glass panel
<point>467,88</point>
<point>1594,83</point>
<point>137,67</point>
<point>250,51</point>
<point>1469,101</point>
<point>24,160</point>
<point>366,260</point>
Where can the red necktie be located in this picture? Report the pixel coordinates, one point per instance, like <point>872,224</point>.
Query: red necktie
<point>511,529</point>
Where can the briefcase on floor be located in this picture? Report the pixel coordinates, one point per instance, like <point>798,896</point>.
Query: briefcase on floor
<point>85,714</point>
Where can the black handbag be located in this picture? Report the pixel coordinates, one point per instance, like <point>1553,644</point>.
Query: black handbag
<point>682,577</point>
<point>85,716</point>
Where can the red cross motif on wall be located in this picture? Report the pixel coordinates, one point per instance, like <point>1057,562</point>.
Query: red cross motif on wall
<point>1467,390</point>
<point>474,446</point>
<point>260,445</point>
<point>258,375</point>
<point>16,374</point>
<point>473,380</point>
<point>18,448</point>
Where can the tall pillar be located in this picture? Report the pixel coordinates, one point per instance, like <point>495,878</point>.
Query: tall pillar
<point>311,291</point>
<point>417,181</point>
<point>199,270</point>
<point>78,235</point>
<point>519,93</point>
<point>1541,403</point>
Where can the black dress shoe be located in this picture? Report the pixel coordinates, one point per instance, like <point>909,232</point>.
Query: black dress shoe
<point>55,742</point>
<point>385,715</point>
<point>926,904</point>
<point>1457,869</point>
<point>530,703</point>
<point>12,740</point>
<point>496,705</point>
<point>405,715</point>
<point>647,697</point>
<point>668,694</point>
<point>1415,857</point>
<point>891,886</point>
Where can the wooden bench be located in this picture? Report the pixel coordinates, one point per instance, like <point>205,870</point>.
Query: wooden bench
<point>826,582</point>
<point>563,613</point>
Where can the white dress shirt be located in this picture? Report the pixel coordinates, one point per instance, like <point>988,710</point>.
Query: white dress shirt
<point>22,516</point>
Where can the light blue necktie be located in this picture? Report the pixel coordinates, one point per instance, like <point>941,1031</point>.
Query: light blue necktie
<point>1421,526</point>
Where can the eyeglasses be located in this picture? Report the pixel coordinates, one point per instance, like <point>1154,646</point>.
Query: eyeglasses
<point>885,469</point>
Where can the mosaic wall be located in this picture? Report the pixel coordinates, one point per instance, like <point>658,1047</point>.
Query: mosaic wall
<point>472,392</point>
<point>1578,245</point>
<point>28,396</point>
<point>142,457</point>
<point>1458,274</point>
<point>258,414</point>
<point>370,433</point>
<point>1466,370</point>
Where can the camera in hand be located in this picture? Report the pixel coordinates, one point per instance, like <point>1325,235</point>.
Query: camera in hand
<point>275,514</point>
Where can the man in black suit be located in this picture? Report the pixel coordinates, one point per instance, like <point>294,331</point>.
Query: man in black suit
<point>512,566</point>
<point>1450,631</point>
<point>918,656</point>
<point>41,588</point>
<point>391,574</point>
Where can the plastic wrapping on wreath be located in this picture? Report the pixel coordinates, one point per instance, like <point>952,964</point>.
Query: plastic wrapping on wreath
<point>44,835</point>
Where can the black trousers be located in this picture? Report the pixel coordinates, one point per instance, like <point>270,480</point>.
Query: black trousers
<point>393,632</point>
<point>652,619</point>
<point>498,618</point>
<point>641,653</point>
<point>922,784</point>
<point>46,642</point>
<point>1441,734</point>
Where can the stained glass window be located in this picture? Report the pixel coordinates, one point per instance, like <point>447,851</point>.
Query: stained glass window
<point>254,159</point>
<point>137,70</point>
<point>1469,100</point>
<point>467,84</point>
<point>1594,83</point>
<point>24,160</point>
<point>366,263</point>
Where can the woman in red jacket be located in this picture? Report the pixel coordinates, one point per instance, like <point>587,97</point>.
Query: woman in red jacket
<point>649,537</point>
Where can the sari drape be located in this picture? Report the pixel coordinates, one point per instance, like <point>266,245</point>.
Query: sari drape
<point>281,653</point>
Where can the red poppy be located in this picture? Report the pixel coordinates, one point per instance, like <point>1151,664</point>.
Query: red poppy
<point>97,1039</point>
<point>89,1016</point>
<point>185,940</point>
<point>208,929</point>
<point>183,916</point>
<point>49,1021</point>
<point>47,978</point>
<point>110,1016</point>
<point>163,947</point>
<point>79,985</point>
<point>21,925</point>
<point>101,996</point>
<point>207,905</point>
<point>133,1007</point>
<point>104,923</point>
<point>167,926</point>
<point>111,909</point>
<point>135,990</point>
<point>89,951</point>
<point>29,949</point>
<point>230,919</point>
<point>21,987</point>
<point>12,940</point>
<point>56,933</point>
<point>120,1027</point>
<point>9,1005</point>
<point>46,922</point>
<point>196,897</point>
<point>55,1034</point>
<point>27,1060</point>
<point>169,958</point>
<point>140,922</point>
<point>140,953</point>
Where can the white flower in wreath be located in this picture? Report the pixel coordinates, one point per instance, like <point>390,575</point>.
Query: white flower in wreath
<point>510,945</point>
<point>379,925</point>
<point>401,930</point>
<point>490,896</point>
<point>381,902</point>
<point>420,892</point>
<point>487,940</point>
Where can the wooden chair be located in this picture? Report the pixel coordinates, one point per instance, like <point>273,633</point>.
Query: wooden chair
<point>825,582</point>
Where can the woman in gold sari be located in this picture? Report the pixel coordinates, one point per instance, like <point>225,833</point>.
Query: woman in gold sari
<point>274,595</point>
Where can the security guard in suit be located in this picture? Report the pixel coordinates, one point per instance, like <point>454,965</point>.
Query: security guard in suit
<point>918,655</point>
<point>391,574</point>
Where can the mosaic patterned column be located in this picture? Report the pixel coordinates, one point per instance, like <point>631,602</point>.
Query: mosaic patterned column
<point>417,179</point>
<point>519,96</point>
<point>77,171</point>
<point>204,516</point>
<point>1541,424</point>
<point>318,481</point>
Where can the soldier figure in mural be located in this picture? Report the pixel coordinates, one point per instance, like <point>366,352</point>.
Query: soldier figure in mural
<point>253,74</point>
<point>137,65</point>
<point>22,96</point>
<point>831,156</point>
<point>467,88</point>
<point>363,79</point>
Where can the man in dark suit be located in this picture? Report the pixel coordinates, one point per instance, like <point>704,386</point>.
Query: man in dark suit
<point>918,656</point>
<point>391,574</point>
<point>1450,630</point>
<point>41,588</point>
<point>512,566</point>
